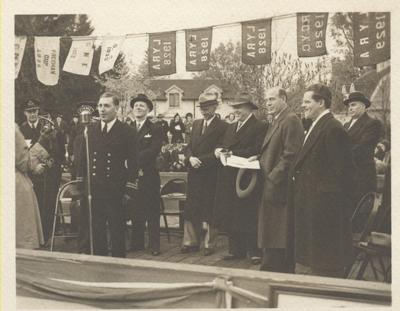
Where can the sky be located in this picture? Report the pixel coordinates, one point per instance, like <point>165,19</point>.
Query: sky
<point>151,16</point>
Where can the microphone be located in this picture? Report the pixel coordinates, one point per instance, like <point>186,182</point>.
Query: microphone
<point>85,116</point>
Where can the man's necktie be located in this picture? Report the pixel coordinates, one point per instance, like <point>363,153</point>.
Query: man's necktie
<point>104,129</point>
<point>239,126</point>
<point>204,127</point>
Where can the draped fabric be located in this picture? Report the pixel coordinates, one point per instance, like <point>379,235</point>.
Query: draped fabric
<point>85,283</point>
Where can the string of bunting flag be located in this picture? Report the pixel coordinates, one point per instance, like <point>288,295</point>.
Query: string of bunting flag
<point>371,34</point>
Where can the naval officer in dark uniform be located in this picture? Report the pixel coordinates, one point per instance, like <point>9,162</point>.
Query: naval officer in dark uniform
<point>146,208</point>
<point>113,173</point>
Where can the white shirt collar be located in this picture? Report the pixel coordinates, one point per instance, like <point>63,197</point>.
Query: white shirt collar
<point>210,120</point>
<point>35,123</point>
<point>139,124</point>
<point>248,117</point>
<point>109,125</point>
<point>280,112</point>
<point>326,111</point>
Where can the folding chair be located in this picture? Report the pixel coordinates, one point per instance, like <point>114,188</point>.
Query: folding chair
<point>367,218</point>
<point>62,210</point>
<point>172,189</point>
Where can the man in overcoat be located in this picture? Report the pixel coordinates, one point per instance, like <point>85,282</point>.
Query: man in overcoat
<point>364,133</point>
<point>113,175</point>
<point>202,174</point>
<point>146,207</point>
<point>234,215</point>
<point>322,191</point>
<point>281,143</point>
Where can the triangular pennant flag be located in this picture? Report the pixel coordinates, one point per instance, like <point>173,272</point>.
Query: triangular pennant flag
<point>19,45</point>
<point>352,88</point>
<point>344,89</point>
<point>47,51</point>
<point>110,49</point>
<point>80,56</point>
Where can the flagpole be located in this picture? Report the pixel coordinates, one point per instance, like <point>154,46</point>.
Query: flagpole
<point>89,188</point>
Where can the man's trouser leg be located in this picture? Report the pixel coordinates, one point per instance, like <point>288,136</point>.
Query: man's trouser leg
<point>274,259</point>
<point>210,240</point>
<point>99,220</point>
<point>116,222</point>
<point>153,223</point>
<point>191,233</point>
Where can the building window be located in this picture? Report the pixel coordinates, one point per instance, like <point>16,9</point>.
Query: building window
<point>174,99</point>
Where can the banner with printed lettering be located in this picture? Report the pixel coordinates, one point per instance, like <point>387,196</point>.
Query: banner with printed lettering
<point>311,34</point>
<point>80,56</point>
<point>47,52</point>
<point>162,53</point>
<point>256,42</point>
<point>198,49</point>
<point>19,48</point>
<point>110,49</point>
<point>371,34</point>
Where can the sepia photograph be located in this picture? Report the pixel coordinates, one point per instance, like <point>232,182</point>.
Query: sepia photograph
<point>198,154</point>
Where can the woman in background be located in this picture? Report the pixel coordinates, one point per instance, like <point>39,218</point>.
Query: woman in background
<point>28,226</point>
<point>176,128</point>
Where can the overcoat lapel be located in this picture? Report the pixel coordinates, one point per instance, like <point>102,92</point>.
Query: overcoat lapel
<point>357,125</point>
<point>209,130</point>
<point>312,139</point>
<point>271,130</point>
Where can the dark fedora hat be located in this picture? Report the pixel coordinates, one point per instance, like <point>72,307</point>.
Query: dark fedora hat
<point>31,105</point>
<point>208,99</point>
<point>243,99</point>
<point>357,97</point>
<point>142,98</point>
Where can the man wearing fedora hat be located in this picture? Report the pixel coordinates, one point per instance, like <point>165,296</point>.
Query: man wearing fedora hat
<point>364,133</point>
<point>201,162</point>
<point>146,207</point>
<point>234,215</point>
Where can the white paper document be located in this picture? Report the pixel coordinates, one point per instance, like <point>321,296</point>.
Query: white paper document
<point>240,162</point>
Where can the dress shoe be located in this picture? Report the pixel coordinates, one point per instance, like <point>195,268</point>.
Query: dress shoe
<point>135,248</point>
<point>155,253</point>
<point>208,251</point>
<point>232,257</point>
<point>189,249</point>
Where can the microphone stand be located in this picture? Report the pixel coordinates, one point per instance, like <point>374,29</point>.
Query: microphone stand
<point>89,188</point>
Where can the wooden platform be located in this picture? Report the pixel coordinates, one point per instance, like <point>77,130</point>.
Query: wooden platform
<point>170,252</point>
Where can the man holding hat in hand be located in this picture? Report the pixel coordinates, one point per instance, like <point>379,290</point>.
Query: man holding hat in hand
<point>234,215</point>
<point>146,208</point>
<point>364,133</point>
<point>202,175</point>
